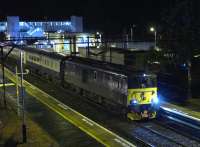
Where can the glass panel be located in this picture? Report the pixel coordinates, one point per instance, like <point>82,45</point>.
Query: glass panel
<point>142,81</point>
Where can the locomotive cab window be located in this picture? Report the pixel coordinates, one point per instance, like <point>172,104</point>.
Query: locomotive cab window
<point>147,82</point>
<point>142,81</point>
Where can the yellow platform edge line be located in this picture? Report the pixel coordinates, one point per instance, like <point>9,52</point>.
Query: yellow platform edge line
<point>7,84</point>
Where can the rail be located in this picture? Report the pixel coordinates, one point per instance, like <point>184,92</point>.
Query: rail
<point>180,117</point>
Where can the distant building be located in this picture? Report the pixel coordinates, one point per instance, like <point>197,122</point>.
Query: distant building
<point>57,36</point>
<point>66,42</point>
<point>16,28</point>
<point>60,31</point>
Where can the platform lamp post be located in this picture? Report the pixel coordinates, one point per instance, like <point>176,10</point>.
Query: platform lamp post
<point>132,28</point>
<point>17,87</point>
<point>22,73</point>
<point>3,77</point>
<point>152,29</point>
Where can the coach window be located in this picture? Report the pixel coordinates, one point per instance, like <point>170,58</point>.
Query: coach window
<point>52,64</point>
<point>118,83</point>
<point>55,65</point>
<point>106,79</point>
<point>42,60</point>
<point>95,75</point>
<point>49,63</point>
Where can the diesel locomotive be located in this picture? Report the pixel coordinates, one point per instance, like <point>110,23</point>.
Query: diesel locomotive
<point>116,87</point>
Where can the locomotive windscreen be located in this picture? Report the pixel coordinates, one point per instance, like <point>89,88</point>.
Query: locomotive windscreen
<point>142,81</point>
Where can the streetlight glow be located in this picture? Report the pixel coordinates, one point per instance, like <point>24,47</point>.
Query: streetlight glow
<point>152,29</point>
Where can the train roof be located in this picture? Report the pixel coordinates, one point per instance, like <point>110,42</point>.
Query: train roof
<point>114,68</point>
<point>119,50</point>
<point>128,51</point>
<point>111,67</point>
<point>44,52</point>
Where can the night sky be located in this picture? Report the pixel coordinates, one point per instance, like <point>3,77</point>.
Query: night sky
<point>105,15</point>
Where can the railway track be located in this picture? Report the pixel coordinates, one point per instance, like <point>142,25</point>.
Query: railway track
<point>180,123</point>
<point>160,136</point>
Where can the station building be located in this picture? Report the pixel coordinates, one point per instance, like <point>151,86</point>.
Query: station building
<point>62,32</point>
<point>16,28</point>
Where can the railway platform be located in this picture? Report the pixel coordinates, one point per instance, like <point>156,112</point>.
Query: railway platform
<point>11,135</point>
<point>91,128</point>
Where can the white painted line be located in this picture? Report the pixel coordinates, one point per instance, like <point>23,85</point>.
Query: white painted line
<point>121,142</point>
<point>88,122</point>
<point>180,113</point>
<point>63,106</point>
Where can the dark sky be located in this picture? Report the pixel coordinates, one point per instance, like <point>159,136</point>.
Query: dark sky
<point>106,15</point>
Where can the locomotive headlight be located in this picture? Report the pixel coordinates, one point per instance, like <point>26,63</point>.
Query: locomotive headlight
<point>133,101</point>
<point>155,99</point>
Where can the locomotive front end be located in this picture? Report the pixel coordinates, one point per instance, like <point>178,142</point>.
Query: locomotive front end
<point>142,100</point>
